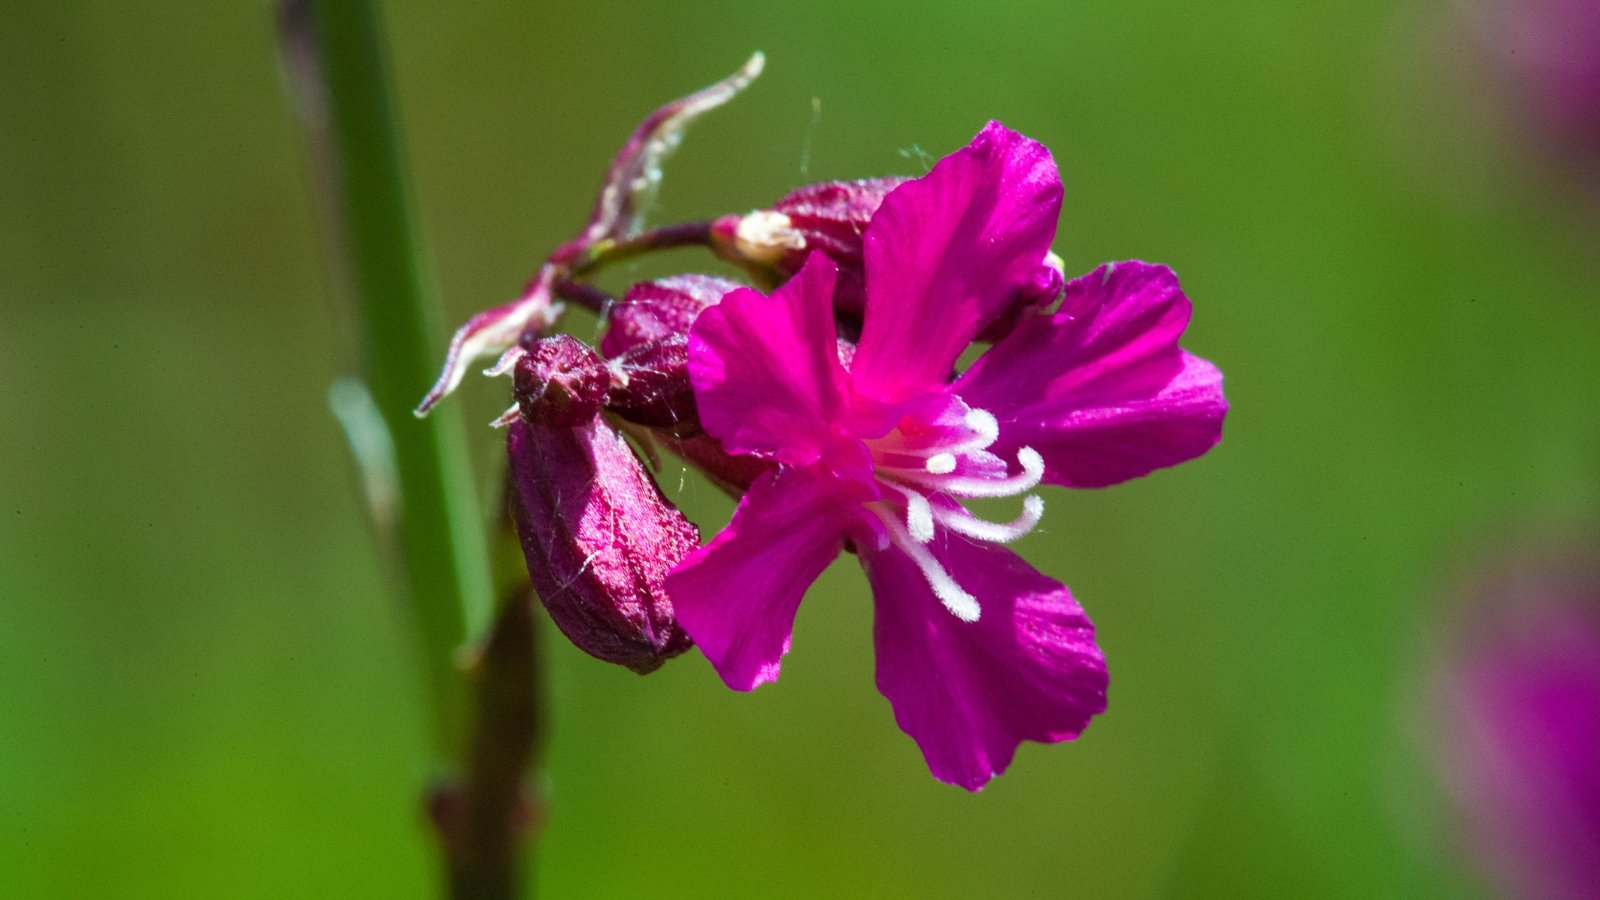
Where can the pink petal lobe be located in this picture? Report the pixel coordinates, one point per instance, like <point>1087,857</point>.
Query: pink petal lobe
<point>737,596</point>
<point>969,692</point>
<point>1101,389</point>
<point>947,253</point>
<point>766,370</point>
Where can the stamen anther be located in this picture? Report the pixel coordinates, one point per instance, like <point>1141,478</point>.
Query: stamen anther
<point>983,422</point>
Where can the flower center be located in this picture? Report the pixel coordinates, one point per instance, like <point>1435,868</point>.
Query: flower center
<point>933,466</point>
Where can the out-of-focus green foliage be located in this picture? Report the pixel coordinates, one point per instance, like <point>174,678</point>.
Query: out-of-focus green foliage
<point>204,691</point>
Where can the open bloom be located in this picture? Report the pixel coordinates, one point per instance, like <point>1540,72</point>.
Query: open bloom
<point>976,650</point>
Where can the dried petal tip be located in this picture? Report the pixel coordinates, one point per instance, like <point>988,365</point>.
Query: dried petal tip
<point>635,172</point>
<point>560,381</point>
<point>599,539</point>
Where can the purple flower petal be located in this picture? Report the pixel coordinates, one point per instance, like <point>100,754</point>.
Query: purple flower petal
<point>947,253</point>
<point>1100,389</point>
<point>766,370</point>
<point>969,692</point>
<point>736,596</point>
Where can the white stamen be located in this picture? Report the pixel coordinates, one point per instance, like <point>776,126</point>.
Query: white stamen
<point>507,417</point>
<point>919,517</point>
<point>1026,480</point>
<point>984,423</point>
<point>919,514</point>
<point>963,522</point>
<point>961,604</point>
<point>941,463</point>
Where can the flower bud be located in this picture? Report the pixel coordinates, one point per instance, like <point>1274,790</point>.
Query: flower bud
<point>830,217</point>
<point>658,310</point>
<point>560,381</point>
<point>598,535</point>
<point>650,387</point>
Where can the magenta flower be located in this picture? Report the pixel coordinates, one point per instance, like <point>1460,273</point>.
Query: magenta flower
<point>1518,699</point>
<point>876,450</point>
<point>1546,53</point>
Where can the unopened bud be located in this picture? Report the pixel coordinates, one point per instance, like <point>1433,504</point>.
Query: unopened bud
<point>560,381</point>
<point>829,217</point>
<point>764,237</point>
<point>598,535</point>
<point>658,310</point>
<point>650,386</point>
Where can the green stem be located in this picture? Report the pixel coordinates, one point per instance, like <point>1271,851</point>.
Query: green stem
<point>439,529</point>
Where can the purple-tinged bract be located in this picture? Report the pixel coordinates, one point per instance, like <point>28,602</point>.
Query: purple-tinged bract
<point>976,651</point>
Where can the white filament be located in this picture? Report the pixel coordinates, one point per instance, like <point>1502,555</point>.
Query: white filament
<point>962,522</point>
<point>919,514</point>
<point>985,424</point>
<point>1026,480</point>
<point>919,518</point>
<point>961,604</point>
<point>912,531</point>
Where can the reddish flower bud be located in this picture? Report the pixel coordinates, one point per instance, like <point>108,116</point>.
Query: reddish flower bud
<point>560,381</point>
<point>657,310</point>
<point>650,386</point>
<point>829,217</point>
<point>597,533</point>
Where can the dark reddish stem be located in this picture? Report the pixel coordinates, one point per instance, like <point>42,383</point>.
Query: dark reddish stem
<point>584,294</point>
<point>604,253</point>
<point>486,817</point>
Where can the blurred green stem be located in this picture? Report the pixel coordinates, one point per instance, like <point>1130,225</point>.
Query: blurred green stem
<point>439,528</point>
<point>432,530</point>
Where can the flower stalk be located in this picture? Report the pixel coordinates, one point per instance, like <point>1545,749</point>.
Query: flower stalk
<point>443,560</point>
<point>484,716</point>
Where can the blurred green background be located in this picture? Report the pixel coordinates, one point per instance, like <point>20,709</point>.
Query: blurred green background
<point>204,690</point>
